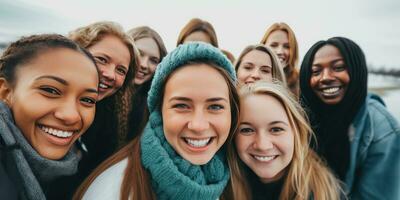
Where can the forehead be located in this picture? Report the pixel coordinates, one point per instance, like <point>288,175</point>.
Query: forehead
<point>326,54</point>
<point>257,55</point>
<point>113,47</point>
<point>61,62</point>
<point>278,35</point>
<point>197,80</point>
<point>148,45</point>
<point>262,108</point>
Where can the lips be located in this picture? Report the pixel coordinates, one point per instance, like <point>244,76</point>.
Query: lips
<point>330,92</point>
<point>104,85</point>
<point>57,132</point>
<point>198,144</point>
<point>265,158</point>
<point>140,74</point>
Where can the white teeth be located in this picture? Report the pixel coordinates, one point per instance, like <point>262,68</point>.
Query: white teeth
<point>58,133</point>
<point>331,90</point>
<point>104,86</point>
<point>264,158</point>
<point>197,143</point>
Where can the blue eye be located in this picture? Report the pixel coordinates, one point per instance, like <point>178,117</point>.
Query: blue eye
<point>216,107</point>
<point>180,106</point>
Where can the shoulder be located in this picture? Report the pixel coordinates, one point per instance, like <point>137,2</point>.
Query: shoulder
<point>383,123</point>
<point>108,184</point>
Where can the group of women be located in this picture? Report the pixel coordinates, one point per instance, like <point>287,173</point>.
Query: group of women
<point>109,114</point>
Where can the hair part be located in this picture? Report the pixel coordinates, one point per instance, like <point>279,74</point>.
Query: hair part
<point>301,182</point>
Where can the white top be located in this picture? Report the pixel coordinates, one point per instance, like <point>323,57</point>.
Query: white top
<point>108,184</point>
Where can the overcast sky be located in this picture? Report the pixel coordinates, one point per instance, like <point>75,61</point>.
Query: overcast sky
<point>374,25</point>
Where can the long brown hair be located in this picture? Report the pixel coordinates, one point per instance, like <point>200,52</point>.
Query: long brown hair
<point>291,71</point>
<point>136,183</point>
<point>197,24</point>
<point>301,180</point>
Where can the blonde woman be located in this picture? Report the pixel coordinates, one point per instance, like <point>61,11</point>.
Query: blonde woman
<point>269,155</point>
<point>281,39</point>
<point>257,62</point>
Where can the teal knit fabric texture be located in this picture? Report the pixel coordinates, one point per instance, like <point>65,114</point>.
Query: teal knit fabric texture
<point>172,176</point>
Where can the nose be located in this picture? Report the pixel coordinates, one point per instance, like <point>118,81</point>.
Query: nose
<point>108,72</point>
<point>198,122</point>
<point>279,50</point>
<point>256,74</point>
<point>143,61</point>
<point>326,76</point>
<point>68,112</point>
<point>263,142</point>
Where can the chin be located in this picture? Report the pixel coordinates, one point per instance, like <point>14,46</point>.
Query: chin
<point>200,161</point>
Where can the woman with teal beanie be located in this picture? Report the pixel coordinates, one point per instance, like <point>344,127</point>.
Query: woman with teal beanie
<point>194,109</point>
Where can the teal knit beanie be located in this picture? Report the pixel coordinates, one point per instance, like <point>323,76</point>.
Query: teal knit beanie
<point>184,53</point>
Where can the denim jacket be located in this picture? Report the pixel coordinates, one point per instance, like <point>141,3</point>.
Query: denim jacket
<point>374,171</point>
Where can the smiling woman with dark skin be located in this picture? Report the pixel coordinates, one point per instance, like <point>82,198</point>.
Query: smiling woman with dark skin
<point>44,108</point>
<point>356,134</point>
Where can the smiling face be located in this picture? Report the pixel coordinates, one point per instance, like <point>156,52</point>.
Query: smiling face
<point>51,103</point>
<point>198,36</point>
<point>148,59</point>
<point>255,65</point>
<point>113,58</point>
<point>196,112</point>
<point>265,140</point>
<point>329,76</point>
<point>278,41</point>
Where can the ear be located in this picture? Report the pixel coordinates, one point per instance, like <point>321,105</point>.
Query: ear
<point>5,91</point>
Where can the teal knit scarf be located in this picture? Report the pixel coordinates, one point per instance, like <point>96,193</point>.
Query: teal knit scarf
<point>172,176</point>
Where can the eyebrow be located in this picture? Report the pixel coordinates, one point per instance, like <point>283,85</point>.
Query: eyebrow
<point>58,79</point>
<point>332,62</point>
<point>245,123</point>
<point>64,82</point>
<point>266,66</point>
<point>178,98</point>
<point>278,122</point>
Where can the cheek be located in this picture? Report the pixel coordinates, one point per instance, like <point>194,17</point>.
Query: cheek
<point>223,124</point>
<point>87,115</point>
<point>153,68</point>
<point>242,74</point>
<point>267,77</point>
<point>313,82</point>
<point>172,124</point>
<point>120,80</point>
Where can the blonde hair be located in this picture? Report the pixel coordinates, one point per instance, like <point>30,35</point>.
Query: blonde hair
<point>90,35</point>
<point>307,175</point>
<point>277,70</point>
<point>291,71</point>
<point>197,24</point>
